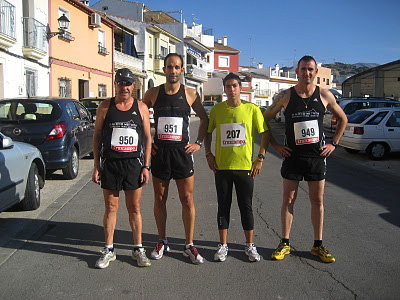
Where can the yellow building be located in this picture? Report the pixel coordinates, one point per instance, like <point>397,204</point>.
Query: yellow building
<point>323,78</point>
<point>81,56</point>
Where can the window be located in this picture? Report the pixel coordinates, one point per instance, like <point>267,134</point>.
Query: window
<point>102,42</point>
<point>31,82</point>
<point>102,90</point>
<point>64,85</point>
<point>164,52</point>
<point>318,80</point>
<point>394,120</point>
<point>377,118</point>
<point>72,111</point>
<point>327,82</point>
<point>323,79</point>
<point>223,61</point>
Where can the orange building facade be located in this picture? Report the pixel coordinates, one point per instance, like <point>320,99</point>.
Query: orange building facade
<point>81,58</point>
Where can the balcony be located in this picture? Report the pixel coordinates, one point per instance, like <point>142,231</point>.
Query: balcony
<point>102,50</point>
<point>122,60</point>
<point>159,63</point>
<point>197,73</point>
<point>35,43</point>
<point>7,24</point>
<point>263,93</point>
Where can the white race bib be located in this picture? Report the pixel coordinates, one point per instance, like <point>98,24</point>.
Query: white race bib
<point>124,140</point>
<point>306,132</point>
<point>170,128</point>
<point>233,134</point>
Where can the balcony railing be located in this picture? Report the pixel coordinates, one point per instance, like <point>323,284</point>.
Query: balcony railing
<point>196,72</point>
<point>127,61</point>
<point>34,34</point>
<point>7,24</point>
<point>263,93</point>
<point>102,50</point>
<point>7,18</point>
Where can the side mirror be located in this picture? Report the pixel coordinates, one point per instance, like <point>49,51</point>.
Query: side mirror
<point>6,143</point>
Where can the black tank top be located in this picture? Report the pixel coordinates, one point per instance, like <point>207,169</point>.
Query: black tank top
<point>171,118</point>
<point>304,124</point>
<point>122,132</point>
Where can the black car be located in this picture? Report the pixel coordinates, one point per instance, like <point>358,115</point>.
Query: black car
<point>91,103</point>
<point>61,128</point>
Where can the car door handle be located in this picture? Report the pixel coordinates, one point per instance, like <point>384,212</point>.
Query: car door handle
<point>390,129</point>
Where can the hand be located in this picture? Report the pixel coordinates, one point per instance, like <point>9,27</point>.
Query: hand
<point>192,148</point>
<point>96,175</point>
<point>211,162</point>
<point>256,168</point>
<point>144,176</point>
<point>282,150</point>
<point>327,150</point>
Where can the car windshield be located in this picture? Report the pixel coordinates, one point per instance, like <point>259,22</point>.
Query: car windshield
<point>27,111</point>
<point>359,116</point>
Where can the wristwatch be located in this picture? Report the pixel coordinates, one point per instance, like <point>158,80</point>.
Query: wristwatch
<point>260,156</point>
<point>146,167</point>
<point>334,144</point>
<point>200,143</point>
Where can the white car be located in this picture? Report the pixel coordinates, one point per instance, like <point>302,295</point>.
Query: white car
<point>22,172</point>
<point>374,130</point>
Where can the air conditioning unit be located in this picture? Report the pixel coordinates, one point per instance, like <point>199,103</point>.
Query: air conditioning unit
<point>95,20</point>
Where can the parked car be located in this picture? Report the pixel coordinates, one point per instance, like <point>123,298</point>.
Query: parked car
<point>350,105</point>
<point>22,172</point>
<point>91,103</point>
<point>374,130</point>
<point>208,104</point>
<point>61,128</point>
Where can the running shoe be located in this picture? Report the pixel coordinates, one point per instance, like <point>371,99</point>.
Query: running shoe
<point>193,254</point>
<point>158,252</point>
<point>251,252</point>
<point>106,256</point>
<point>323,254</point>
<point>221,253</point>
<point>139,255</point>
<point>281,251</point>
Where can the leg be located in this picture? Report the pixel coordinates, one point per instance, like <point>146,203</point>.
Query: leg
<point>132,198</point>
<point>160,209</point>
<point>111,199</point>
<point>244,185</point>
<point>289,197</point>
<point>224,185</point>
<point>316,194</point>
<point>185,191</point>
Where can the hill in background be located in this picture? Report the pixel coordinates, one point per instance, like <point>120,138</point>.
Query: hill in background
<point>341,71</point>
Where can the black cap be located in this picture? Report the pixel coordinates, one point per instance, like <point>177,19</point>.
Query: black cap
<point>124,75</point>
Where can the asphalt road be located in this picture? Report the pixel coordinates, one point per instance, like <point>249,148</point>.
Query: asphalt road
<point>50,253</point>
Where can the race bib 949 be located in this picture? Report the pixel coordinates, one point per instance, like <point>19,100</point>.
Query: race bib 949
<point>233,134</point>
<point>306,132</point>
<point>170,128</point>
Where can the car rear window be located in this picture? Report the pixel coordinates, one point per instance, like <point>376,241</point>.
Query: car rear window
<point>26,111</point>
<point>359,116</point>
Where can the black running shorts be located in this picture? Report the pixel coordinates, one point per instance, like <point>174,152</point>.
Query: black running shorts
<point>121,174</point>
<point>171,163</point>
<point>307,168</point>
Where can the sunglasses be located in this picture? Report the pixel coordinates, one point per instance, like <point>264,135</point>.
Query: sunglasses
<point>124,83</point>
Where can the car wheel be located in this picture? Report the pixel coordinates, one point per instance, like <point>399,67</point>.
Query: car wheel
<point>32,192</point>
<point>71,171</point>
<point>352,151</point>
<point>377,151</point>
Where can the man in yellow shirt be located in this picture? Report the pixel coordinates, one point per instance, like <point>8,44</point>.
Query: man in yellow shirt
<point>236,123</point>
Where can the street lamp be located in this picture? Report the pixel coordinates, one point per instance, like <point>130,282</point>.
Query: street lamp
<point>63,22</point>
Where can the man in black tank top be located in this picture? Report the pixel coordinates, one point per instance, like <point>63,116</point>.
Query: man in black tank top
<point>121,148</point>
<point>172,153</point>
<point>304,152</point>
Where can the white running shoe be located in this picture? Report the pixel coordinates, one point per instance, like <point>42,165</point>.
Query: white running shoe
<point>106,256</point>
<point>158,252</point>
<point>140,256</point>
<point>251,252</point>
<point>193,254</point>
<point>221,253</point>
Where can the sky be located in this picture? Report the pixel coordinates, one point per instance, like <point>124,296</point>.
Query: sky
<point>281,32</point>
